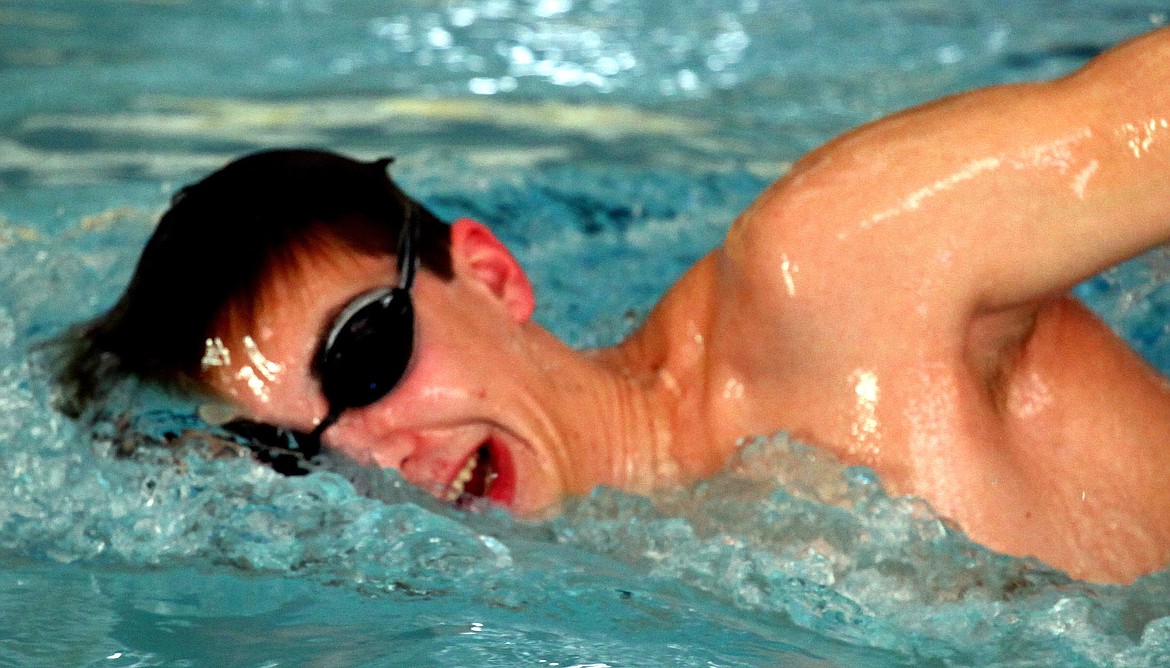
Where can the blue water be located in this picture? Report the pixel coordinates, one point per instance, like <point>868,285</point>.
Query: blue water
<point>610,144</point>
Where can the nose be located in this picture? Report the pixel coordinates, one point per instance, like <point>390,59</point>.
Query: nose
<point>369,441</point>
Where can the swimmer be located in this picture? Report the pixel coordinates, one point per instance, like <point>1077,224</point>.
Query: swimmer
<point>899,298</point>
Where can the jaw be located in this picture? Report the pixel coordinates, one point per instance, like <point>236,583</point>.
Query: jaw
<point>501,470</point>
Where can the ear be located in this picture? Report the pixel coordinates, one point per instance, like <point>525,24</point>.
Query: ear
<point>478,255</point>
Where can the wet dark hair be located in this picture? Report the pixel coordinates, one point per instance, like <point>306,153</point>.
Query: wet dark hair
<point>214,247</point>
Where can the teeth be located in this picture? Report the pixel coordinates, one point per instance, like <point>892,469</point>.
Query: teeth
<point>460,480</point>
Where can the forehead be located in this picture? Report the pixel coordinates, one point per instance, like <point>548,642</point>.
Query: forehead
<point>261,350</point>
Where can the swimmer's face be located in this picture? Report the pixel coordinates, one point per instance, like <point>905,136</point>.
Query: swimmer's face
<point>468,416</point>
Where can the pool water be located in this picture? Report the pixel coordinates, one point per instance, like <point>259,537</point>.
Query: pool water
<point>610,144</point>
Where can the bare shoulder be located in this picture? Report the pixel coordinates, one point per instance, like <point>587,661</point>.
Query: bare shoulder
<point>821,245</point>
<point>983,200</point>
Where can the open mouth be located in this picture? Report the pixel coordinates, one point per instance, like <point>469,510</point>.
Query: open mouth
<point>474,480</point>
<point>486,474</point>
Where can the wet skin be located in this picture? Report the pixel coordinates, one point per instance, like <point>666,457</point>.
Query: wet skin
<point>483,377</point>
<point>897,298</point>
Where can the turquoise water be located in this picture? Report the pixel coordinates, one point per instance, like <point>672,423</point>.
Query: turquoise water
<point>610,143</point>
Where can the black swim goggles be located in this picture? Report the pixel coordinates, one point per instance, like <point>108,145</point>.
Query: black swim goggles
<point>362,358</point>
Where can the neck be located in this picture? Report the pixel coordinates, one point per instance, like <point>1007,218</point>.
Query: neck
<point>640,420</point>
<point>641,402</point>
<point>606,423</point>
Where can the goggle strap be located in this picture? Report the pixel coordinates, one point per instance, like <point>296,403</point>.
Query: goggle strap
<point>407,239</point>
<point>327,422</point>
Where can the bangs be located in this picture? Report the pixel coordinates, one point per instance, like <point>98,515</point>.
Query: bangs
<point>279,283</point>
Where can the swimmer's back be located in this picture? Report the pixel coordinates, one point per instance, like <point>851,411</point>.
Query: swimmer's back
<point>897,299</point>
<point>1035,427</point>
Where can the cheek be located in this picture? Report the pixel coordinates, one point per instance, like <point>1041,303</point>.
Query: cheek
<point>462,360</point>
<point>447,359</point>
<point>439,374</point>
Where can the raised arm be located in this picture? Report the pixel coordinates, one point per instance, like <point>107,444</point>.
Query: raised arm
<point>999,195</point>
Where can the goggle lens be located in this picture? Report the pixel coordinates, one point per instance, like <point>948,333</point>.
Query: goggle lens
<point>369,353</point>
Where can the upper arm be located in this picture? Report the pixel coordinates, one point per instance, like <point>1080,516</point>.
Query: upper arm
<point>982,200</point>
